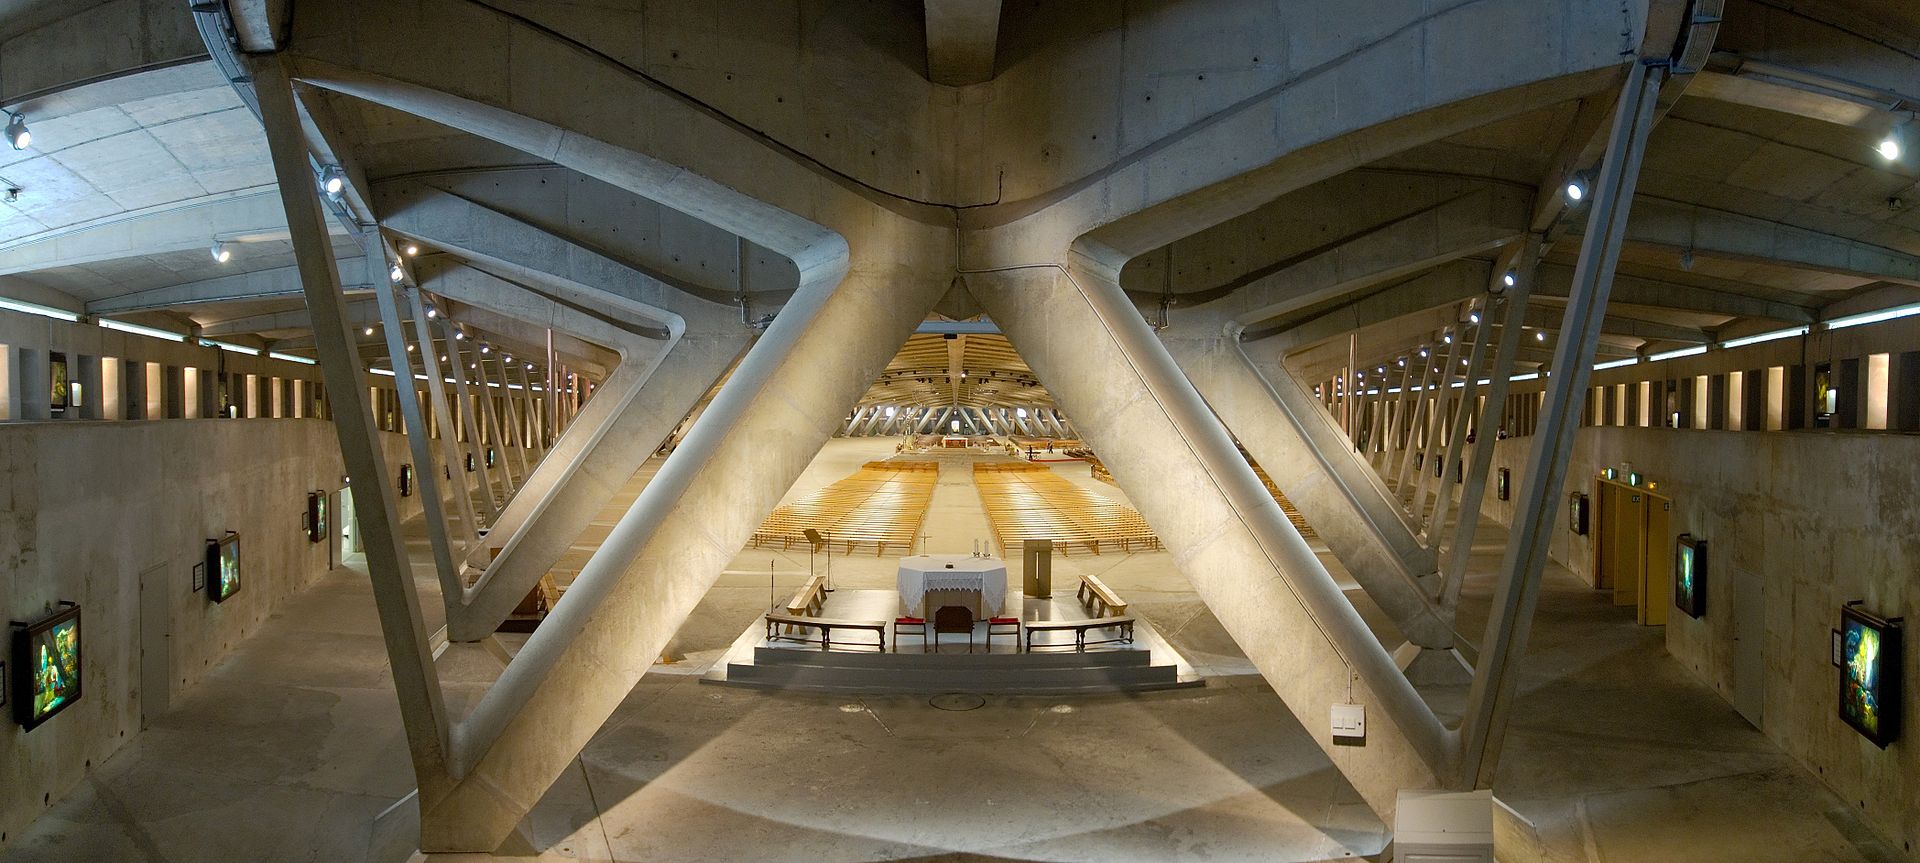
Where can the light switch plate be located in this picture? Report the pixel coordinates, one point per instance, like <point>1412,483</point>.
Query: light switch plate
<point>1349,724</point>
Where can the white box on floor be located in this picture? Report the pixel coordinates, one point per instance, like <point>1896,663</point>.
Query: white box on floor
<point>1443,827</point>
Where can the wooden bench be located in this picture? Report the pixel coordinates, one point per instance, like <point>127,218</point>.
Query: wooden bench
<point>1122,626</point>
<point>826,626</point>
<point>810,598</point>
<point>1099,598</point>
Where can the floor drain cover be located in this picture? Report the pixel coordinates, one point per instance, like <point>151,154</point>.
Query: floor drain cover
<point>958,701</point>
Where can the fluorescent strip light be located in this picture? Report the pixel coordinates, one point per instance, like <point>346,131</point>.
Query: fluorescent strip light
<point>1526,377</point>
<point>229,346</point>
<point>1743,341</point>
<point>387,372</point>
<point>37,309</point>
<point>1600,367</point>
<point>305,361</point>
<point>1484,381</point>
<point>1459,385</point>
<point>1873,317</point>
<point>138,330</point>
<point>1683,352</point>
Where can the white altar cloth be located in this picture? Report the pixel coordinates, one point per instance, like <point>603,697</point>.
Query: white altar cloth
<point>988,575</point>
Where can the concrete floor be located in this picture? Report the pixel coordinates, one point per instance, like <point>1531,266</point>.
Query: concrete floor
<point>289,750</point>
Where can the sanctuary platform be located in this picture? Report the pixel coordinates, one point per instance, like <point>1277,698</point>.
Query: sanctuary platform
<point>1058,664</point>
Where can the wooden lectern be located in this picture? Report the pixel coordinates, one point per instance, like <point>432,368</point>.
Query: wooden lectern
<point>1036,568</point>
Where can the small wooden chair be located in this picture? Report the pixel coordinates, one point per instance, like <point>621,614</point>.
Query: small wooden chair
<point>1003,626</point>
<point>910,623</point>
<point>952,618</point>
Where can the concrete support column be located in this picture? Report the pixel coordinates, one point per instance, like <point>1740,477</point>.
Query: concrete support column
<point>428,479</point>
<point>1295,440</point>
<point>1537,512</point>
<point>1411,422</point>
<point>1436,426</point>
<point>416,682</point>
<point>778,407</point>
<point>496,432</point>
<point>1224,530</point>
<point>469,416</point>
<point>1513,312</point>
<point>1457,438</point>
<point>454,472</point>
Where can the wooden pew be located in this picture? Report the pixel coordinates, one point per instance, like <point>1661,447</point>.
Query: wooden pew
<point>1122,632</point>
<point>826,625</point>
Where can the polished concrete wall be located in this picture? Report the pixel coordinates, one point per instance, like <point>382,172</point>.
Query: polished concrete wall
<point>1819,519</point>
<point>89,507</point>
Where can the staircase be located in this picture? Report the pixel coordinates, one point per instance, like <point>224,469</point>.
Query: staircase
<point>1088,673</point>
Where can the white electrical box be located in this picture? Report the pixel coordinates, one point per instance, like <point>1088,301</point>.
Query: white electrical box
<point>1349,724</point>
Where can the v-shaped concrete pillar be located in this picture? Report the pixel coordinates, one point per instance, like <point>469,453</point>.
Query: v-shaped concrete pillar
<point>1096,354</point>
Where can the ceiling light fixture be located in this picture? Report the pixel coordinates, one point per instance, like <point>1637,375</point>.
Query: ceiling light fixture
<point>332,181</point>
<point>395,273</point>
<point>1473,317</point>
<point>17,135</point>
<point>368,331</point>
<point>486,349</point>
<point>1889,148</point>
<point>1576,188</point>
<point>221,253</point>
<point>432,313</point>
<point>459,334</point>
<point>1507,279</point>
<point>1539,337</point>
<point>412,249</point>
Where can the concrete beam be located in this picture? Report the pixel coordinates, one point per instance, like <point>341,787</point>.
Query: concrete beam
<point>283,282</point>
<point>1549,318</point>
<point>961,38</point>
<point>1555,281</point>
<point>1684,227</point>
<point>249,217</point>
<point>1442,286</point>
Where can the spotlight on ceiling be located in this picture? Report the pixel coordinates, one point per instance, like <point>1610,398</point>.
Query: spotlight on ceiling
<point>1890,147</point>
<point>486,349</point>
<point>412,249</point>
<point>1539,336</point>
<point>529,366</point>
<point>332,181</point>
<point>1576,188</point>
<point>1447,339</point>
<point>17,135</point>
<point>1473,317</point>
<point>368,331</point>
<point>459,334</point>
<point>409,348</point>
<point>1423,353</point>
<point>432,313</point>
<point>1507,279</point>
<point>395,273</point>
<point>221,254</point>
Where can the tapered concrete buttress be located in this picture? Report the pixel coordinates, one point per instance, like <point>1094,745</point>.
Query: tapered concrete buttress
<point>1178,465</point>
<point>1328,487</point>
<point>782,403</point>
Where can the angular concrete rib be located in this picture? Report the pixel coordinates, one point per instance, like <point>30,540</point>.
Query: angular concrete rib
<point>1294,439</point>
<point>776,410</point>
<point>623,424</point>
<point>1096,354</point>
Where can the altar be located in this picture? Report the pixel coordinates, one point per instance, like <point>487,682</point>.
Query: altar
<point>929,581</point>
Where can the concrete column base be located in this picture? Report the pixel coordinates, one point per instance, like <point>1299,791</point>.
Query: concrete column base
<point>1433,666</point>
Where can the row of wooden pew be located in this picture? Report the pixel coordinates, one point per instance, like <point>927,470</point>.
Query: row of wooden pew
<point>1028,501</point>
<point>882,504</point>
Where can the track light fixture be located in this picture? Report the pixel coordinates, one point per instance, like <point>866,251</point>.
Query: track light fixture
<point>333,181</point>
<point>17,135</point>
<point>221,254</point>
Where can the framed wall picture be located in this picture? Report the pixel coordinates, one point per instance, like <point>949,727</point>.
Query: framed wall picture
<point>1690,575</point>
<point>406,480</point>
<point>47,666</point>
<point>1871,647</point>
<point>58,384</point>
<point>316,516</point>
<point>1577,513</point>
<point>223,563</point>
<point>1502,484</point>
<point>199,576</point>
